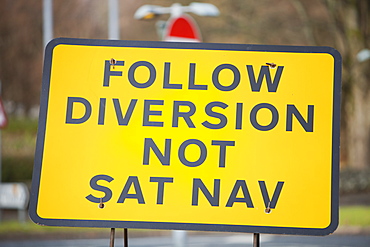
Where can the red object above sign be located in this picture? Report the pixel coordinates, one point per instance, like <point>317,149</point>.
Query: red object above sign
<point>182,28</point>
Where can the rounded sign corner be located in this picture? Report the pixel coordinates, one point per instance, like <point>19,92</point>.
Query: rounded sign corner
<point>328,230</point>
<point>334,53</point>
<point>331,228</point>
<point>35,217</point>
<point>53,43</point>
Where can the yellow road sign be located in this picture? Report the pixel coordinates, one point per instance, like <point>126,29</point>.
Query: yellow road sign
<point>219,137</point>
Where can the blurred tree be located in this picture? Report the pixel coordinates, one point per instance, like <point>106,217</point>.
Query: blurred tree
<point>345,26</point>
<point>351,31</point>
<point>80,19</point>
<point>20,52</point>
<point>21,48</point>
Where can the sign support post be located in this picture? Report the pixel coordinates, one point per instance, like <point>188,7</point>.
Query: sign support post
<point>125,237</point>
<point>256,240</point>
<point>112,234</point>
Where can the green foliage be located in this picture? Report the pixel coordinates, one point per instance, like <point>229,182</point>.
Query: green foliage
<point>17,169</point>
<point>18,142</point>
<point>21,125</point>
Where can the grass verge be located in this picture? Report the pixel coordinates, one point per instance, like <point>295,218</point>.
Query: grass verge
<point>354,216</point>
<point>349,216</point>
<point>14,230</point>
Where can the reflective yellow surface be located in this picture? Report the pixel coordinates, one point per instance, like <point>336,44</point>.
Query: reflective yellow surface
<point>75,153</point>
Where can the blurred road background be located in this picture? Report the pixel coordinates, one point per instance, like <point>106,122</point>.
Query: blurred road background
<point>211,240</point>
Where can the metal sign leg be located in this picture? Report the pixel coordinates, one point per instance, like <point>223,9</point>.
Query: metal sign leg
<point>125,237</point>
<point>256,240</point>
<point>112,233</point>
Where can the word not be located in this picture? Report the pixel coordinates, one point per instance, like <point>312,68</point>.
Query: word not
<point>164,157</point>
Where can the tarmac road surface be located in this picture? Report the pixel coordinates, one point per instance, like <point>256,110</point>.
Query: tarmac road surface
<point>212,240</point>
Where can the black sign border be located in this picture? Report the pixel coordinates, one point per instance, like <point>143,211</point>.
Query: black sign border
<point>188,226</point>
